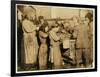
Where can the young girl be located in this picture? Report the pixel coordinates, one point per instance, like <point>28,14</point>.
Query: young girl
<point>30,39</point>
<point>56,58</point>
<point>43,34</point>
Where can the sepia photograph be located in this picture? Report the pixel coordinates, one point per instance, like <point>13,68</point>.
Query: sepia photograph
<point>54,38</point>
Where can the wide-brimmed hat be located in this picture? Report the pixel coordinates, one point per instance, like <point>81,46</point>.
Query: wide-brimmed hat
<point>28,9</point>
